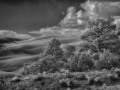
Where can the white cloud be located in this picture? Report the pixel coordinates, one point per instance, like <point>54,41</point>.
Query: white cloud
<point>12,34</point>
<point>48,31</point>
<point>70,18</point>
<point>101,9</point>
<point>91,10</point>
<point>76,20</point>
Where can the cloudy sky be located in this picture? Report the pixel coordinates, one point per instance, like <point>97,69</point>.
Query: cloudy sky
<point>30,15</point>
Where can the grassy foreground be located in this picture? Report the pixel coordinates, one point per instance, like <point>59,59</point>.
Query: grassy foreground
<point>65,80</point>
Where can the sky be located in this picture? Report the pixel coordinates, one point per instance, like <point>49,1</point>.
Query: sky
<point>23,16</point>
<point>29,15</point>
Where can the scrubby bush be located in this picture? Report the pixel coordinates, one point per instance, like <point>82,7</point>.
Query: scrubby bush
<point>53,49</point>
<point>81,62</point>
<point>47,64</point>
<point>107,60</point>
<point>3,84</point>
<point>85,46</point>
<point>100,30</point>
<point>96,56</point>
<point>52,60</point>
<point>97,29</point>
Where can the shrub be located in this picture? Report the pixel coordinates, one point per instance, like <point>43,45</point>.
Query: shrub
<point>48,64</point>
<point>85,46</point>
<point>107,60</point>
<point>95,56</point>
<point>81,62</point>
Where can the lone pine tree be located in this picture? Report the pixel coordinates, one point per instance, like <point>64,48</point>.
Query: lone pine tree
<point>53,49</point>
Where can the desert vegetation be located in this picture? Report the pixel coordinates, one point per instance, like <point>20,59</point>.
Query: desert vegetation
<point>94,64</point>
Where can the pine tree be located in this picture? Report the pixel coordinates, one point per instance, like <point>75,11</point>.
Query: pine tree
<point>53,49</point>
